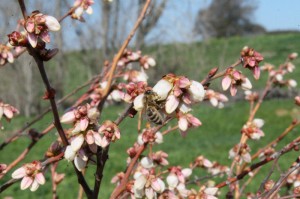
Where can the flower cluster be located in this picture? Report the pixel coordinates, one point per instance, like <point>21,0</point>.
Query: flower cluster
<point>37,27</point>
<point>251,59</point>
<point>147,183</point>
<point>240,152</point>
<point>84,119</point>
<point>277,75</point>
<point>81,6</point>
<point>253,129</point>
<point>31,175</point>
<point>178,93</point>
<point>6,54</point>
<point>234,78</point>
<point>215,98</point>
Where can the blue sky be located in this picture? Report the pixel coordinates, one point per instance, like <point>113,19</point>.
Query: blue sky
<point>278,14</point>
<point>178,19</point>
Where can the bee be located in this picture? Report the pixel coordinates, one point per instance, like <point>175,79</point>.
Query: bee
<point>153,107</point>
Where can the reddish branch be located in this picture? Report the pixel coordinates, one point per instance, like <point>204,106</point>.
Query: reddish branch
<point>245,172</point>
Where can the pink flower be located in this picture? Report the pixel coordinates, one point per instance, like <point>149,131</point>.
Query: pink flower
<point>7,111</point>
<point>177,176</point>
<point>147,184</point>
<point>233,79</point>
<point>6,54</point>
<point>242,152</point>
<point>252,129</point>
<point>186,121</point>
<point>251,59</point>
<point>109,132</point>
<point>136,76</point>
<point>160,158</point>
<point>148,136</point>
<point>82,117</point>
<point>215,98</point>
<point>31,174</point>
<point>38,26</point>
<point>202,162</point>
<point>81,6</point>
<point>146,62</point>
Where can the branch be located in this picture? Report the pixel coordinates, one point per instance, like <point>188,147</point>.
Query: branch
<point>245,172</point>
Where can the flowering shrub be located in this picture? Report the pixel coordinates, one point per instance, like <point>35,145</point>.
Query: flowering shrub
<point>85,138</point>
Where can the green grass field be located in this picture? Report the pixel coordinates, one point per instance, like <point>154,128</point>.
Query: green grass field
<point>219,132</point>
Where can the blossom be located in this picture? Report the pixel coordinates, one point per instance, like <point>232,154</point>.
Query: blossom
<point>205,193</point>
<point>136,76</point>
<point>147,184</point>
<point>81,6</point>
<point>146,62</point>
<point>233,79</point>
<point>240,151</point>
<point>78,156</point>
<point>133,90</point>
<point>251,59</point>
<point>6,54</point>
<point>203,162</point>
<point>109,132</point>
<point>253,129</point>
<point>186,121</point>
<point>148,136</point>
<point>216,99</point>
<point>82,117</point>
<point>7,110</point>
<point>31,175</point>
<point>37,26</point>
<point>160,158</point>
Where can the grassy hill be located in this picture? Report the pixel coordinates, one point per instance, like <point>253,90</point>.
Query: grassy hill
<point>220,129</point>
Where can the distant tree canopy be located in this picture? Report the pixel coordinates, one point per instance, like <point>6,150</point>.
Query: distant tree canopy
<point>227,18</point>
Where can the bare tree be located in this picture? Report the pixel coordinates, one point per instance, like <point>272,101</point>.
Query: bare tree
<point>227,18</point>
<point>156,9</point>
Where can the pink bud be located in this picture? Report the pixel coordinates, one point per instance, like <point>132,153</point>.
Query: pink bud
<point>68,117</point>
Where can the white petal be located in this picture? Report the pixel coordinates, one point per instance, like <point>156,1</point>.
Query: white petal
<point>172,181</point>
<point>79,163</point>
<point>35,185</point>
<point>159,138</point>
<point>211,191</point>
<point>196,91</point>
<point>68,117</point>
<point>19,173</point>
<point>52,23</point>
<point>32,38</point>
<point>184,108</point>
<point>147,163</point>
<point>140,182</point>
<point>171,104</point>
<point>162,88</point>
<point>138,103</point>
<point>69,153</point>
<point>186,172</point>
<point>183,124</point>
<point>1,112</point>
<point>247,84</point>
<point>89,10</point>
<point>149,193</point>
<point>77,142</point>
<point>213,101</point>
<point>259,122</point>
